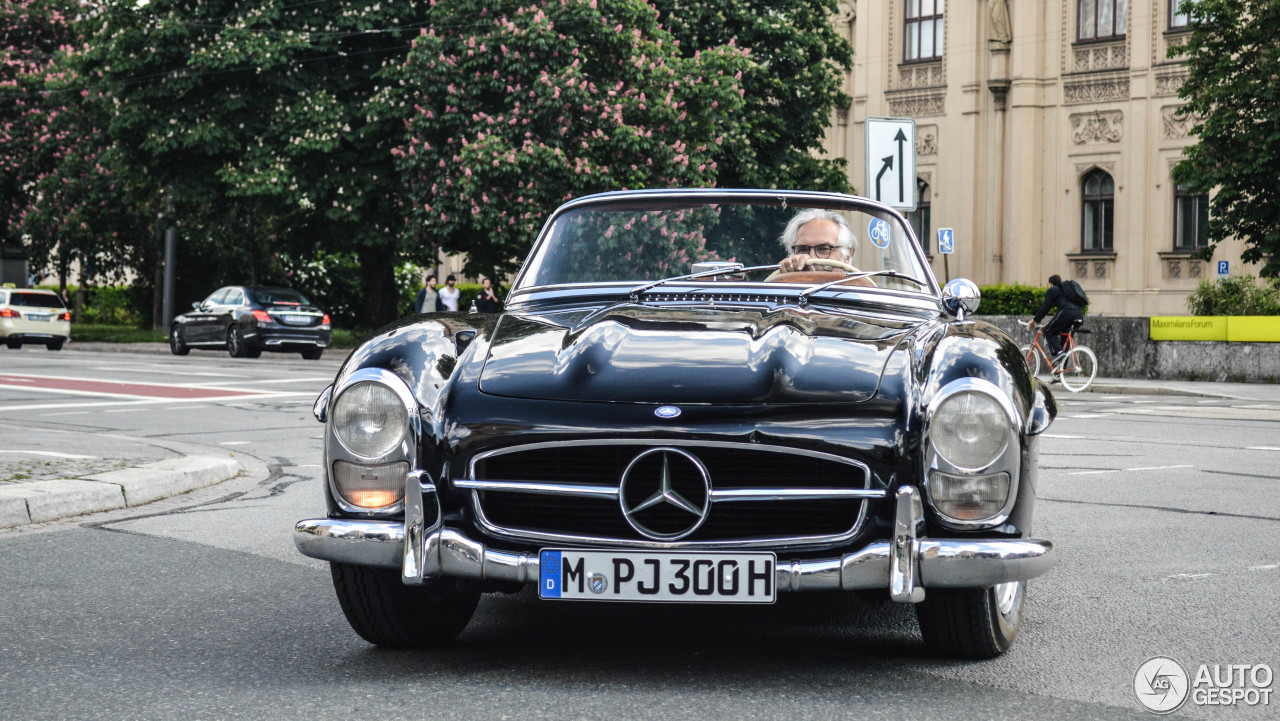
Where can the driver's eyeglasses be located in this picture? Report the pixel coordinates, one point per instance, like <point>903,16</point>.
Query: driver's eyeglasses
<point>820,251</point>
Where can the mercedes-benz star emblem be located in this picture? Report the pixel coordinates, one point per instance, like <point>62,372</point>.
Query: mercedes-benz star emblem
<point>680,498</point>
<point>667,412</point>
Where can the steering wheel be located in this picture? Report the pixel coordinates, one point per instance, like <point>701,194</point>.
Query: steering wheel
<point>777,276</point>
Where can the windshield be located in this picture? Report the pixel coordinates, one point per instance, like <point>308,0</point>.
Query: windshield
<point>648,239</point>
<point>36,300</point>
<point>279,296</point>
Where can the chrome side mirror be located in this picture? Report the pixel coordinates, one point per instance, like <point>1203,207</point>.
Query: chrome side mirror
<point>961,297</point>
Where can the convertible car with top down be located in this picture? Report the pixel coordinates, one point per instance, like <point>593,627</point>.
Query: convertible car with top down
<point>692,396</point>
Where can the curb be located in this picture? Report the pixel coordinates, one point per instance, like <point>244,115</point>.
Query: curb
<point>42,501</point>
<point>1121,388</point>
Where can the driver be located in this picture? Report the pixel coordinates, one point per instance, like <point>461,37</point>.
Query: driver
<point>817,233</point>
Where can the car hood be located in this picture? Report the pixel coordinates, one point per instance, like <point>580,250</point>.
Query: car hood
<point>642,354</point>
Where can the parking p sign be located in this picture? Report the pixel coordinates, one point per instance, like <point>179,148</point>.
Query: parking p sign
<point>946,240</point>
<point>1222,269</point>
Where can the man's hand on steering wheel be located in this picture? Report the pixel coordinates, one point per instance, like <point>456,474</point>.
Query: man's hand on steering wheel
<point>794,263</point>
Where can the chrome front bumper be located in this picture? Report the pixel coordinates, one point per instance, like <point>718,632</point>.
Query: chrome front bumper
<point>905,566</point>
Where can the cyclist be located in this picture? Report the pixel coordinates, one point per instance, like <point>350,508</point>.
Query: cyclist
<point>1069,311</point>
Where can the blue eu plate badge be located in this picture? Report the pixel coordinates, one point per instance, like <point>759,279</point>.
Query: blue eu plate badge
<point>549,564</point>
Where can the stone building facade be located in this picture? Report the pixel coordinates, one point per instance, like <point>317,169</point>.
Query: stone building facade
<point>1046,133</point>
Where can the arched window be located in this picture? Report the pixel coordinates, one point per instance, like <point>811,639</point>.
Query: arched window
<point>919,218</point>
<point>1100,19</point>
<point>1190,219</point>
<point>1098,211</point>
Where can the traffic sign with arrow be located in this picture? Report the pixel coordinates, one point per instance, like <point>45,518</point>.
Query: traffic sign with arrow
<point>890,182</point>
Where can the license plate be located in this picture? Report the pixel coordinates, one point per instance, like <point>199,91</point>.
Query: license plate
<point>38,316</point>
<point>297,319</point>
<point>667,577</point>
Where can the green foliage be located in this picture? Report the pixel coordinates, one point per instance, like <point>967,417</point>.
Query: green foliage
<point>1231,91</point>
<point>1010,299</point>
<point>110,305</point>
<point>792,87</point>
<point>526,107</point>
<point>1236,295</point>
<point>89,333</point>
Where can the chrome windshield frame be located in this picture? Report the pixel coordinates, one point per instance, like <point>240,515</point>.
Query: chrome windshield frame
<point>706,196</point>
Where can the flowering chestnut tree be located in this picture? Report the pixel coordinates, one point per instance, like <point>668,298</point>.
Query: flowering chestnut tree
<point>254,113</point>
<point>59,189</point>
<point>519,106</point>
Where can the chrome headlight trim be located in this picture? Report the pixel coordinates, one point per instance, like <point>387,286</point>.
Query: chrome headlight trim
<point>405,450</point>
<point>1008,461</point>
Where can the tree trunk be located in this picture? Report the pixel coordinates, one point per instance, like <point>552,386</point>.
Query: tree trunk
<point>377,265</point>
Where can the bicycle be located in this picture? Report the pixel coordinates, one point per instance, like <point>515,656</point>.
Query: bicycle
<point>1076,368</point>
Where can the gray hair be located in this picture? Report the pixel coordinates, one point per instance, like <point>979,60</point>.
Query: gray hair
<point>845,233</point>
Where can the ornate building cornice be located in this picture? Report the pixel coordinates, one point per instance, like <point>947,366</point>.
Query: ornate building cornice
<point>1095,88</point>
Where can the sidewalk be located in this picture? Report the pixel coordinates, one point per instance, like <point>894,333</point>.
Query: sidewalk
<point>1204,389</point>
<point>42,479</point>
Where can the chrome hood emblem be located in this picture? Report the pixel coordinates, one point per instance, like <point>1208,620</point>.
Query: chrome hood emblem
<point>665,494</point>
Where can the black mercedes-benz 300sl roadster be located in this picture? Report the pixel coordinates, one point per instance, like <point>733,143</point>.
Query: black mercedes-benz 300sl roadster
<point>694,396</point>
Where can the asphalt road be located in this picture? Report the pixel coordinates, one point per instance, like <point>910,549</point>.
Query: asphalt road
<point>1164,510</point>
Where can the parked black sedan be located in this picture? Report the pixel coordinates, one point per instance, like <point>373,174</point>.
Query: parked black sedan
<point>248,320</point>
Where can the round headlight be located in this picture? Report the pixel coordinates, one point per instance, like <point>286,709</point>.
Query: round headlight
<point>369,419</point>
<point>970,429</point>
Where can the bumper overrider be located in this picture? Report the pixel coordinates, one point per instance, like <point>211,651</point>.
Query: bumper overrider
<point>905,565</point>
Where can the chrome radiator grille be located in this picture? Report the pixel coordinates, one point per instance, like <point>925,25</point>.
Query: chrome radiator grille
<point>660,493</point>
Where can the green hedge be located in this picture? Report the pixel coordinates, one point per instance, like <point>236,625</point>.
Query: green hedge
<point>1236,295</point>
<point>1015,299</point>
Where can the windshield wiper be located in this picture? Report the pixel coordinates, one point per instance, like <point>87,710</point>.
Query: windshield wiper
<point>804,294</point>
<point>640,289</point>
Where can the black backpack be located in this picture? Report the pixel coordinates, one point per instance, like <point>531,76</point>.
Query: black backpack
<point>1072,291</point>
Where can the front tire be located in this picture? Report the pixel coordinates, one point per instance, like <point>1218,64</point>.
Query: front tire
<point>178,344</point>
<point>972,623</point>
<point>1033,359</point>
<point>312,353</point>
<point>13,344</point>
<point>385,612</point>
<point>54,344</point>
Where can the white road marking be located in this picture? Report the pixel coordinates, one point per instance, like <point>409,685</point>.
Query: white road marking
<point>127,410</point>
<point>235,443</point>
<point>1261,448</point>
<point>1195,576</point>
<point>147,401</point>
<point>1062,435</point>
<point>1090,415</point>
<point>51,454</point>
<point>273,380</point>
<point>71,413</point>
<point>155,369</point>
<point>1125,470</point>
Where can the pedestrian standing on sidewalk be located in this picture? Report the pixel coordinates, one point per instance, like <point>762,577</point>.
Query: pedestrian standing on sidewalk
<point>449,294</point>
<point>487,301</point>
<point>428,299</point>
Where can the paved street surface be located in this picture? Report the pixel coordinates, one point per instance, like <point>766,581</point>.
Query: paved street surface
<point>1164,509</point>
